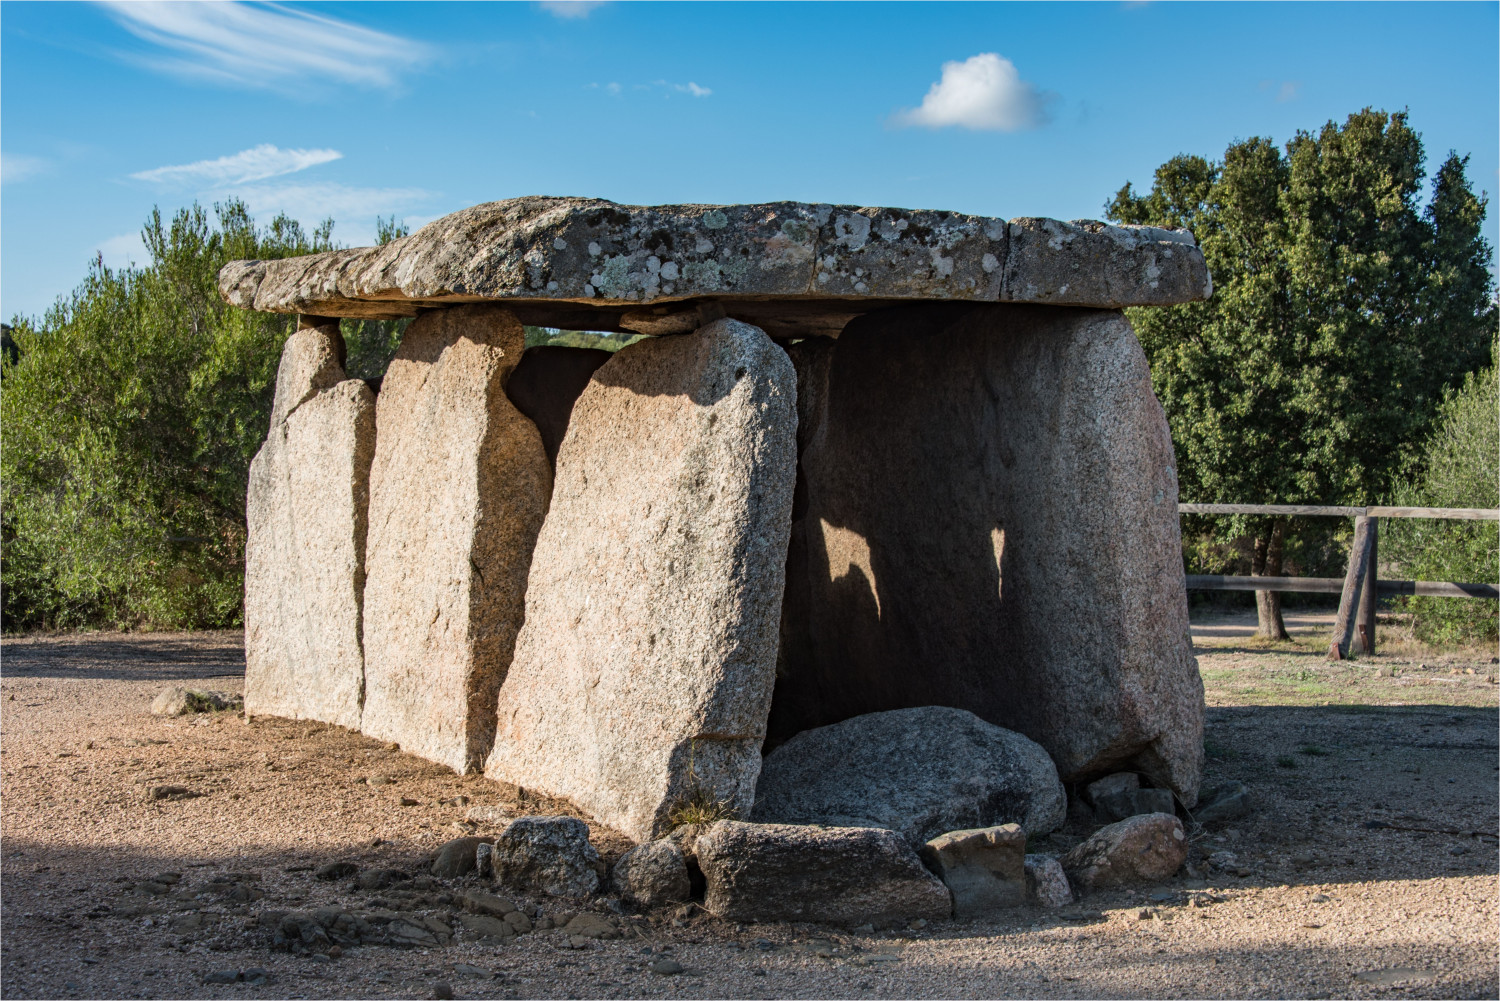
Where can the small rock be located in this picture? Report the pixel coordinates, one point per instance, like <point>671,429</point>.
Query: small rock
<point>1227,801</point>
<point>222,977</point>
<point>442,991</point>
<point>653,874</point>
<point>484,859</point>
<point>482,902</point>
<point>1394,975</point>
<point>1144,849</point>
<point>667,967</point>
<point>841,875</point>
<point>173,793</point>
<point>588,925</point>
<point>548,854</point>
<point>491,816</point>
<point>179,701</point>
<point>379,780</point>
<point>1320,898</point>
<point>520,922</point>
<point>256,976</point>
<point>408,801</point>
<point>1046,883</point>
<point>378,879</point>
<point>466,970</point>
<point>1459,850</point>
<point>456,858</point>
<point>490,927</point>
<point>335,870</point>
<point>1112,785</point>
<point>984,869</point>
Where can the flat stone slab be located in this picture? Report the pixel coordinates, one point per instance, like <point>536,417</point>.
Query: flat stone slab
<point>788,267</point>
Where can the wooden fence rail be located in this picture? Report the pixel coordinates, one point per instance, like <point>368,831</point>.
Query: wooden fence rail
<point>1354,628</point>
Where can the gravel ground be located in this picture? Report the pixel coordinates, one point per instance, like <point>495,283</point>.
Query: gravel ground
<point>1368,869</point>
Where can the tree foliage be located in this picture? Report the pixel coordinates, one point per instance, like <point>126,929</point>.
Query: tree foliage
<point>131,412</point>
<point>1343,310</point>
<point>1460,467</point>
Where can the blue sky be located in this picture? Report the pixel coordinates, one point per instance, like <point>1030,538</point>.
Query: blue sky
<point>357,110</point>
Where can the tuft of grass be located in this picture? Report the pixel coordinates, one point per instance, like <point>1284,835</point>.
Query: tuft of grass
<point>1286,761</point>
<point>1313,751</point>
<point>699,806</point>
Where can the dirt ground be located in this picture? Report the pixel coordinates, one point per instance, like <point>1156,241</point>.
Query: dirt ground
<point>1368,868</point>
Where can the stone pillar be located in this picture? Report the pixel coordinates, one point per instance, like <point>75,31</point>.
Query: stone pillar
<point>305,551</point>
<point>458,492</point>
<point>643,674</point>
<point>987,519</point>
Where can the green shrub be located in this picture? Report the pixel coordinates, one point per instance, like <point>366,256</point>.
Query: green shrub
<point>131,411</point>
<point>1460,467</point>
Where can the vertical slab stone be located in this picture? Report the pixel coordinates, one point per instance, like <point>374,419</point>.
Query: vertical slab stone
<point>305,550</point>
<point>458,492</point>
<point>987,519</point>
<point>644,671</point>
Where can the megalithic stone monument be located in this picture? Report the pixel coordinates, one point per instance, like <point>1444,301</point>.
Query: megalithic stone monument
<point>984,514</point>
<point>305,552</point>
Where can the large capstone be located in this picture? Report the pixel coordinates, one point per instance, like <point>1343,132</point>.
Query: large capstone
<point>643,674</point>
<point>458,492</point>
<point>793,268</point>
<point>305,551</point>
<point>919,772</point>
<point>987,518</point>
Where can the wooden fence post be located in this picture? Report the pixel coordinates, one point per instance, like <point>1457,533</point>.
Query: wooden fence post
<point>1364,626</point>
<point>1354,579</point>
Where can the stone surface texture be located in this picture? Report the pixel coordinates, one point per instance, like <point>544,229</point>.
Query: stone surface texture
<point>1046,882</point>
<point>458,492</point>
<point>1144,849</point>
<point>306,515</point>
<point>178,701</point>
<point>591,253</point>
<point>456,858</point>
<point>919,772</point>
<point>549,855</point>
<point>848,876</point>
<point>984,869</point>
<point>644,671</point>
<point>653,874</point>
<point>987,518</point>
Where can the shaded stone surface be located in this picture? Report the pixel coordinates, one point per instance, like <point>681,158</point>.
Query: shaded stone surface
<point>547,383</point>
<point>984,869</point>
<point>305,513</point>
<point>458,492</point>
<point>547,854</point>
<point>456,858</point>
<point>653,874</point>
<point>841,875</point>
<point>1142,849</point>
<point>986,517</point>
<point>583,262</point>
<point>644,670</point>
<point>920,772</point>
<point>1046,882</point>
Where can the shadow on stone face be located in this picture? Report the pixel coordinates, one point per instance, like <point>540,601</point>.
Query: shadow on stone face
<point>981,521</point>
<point>547,383</point>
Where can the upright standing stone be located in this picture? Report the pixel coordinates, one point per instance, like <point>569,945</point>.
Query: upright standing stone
<point>305,550</point>
<point>643,673</point>
<point>987,519</point>
<point>457,495</point>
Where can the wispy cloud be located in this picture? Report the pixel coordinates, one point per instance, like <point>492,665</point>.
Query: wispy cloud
<point>570,9</point>
<point>984,92</point>
<point>319,201</point>
<point>255,164</point>
<point>1286,90</point>
<point>613,89</point>
<point>265,45</point>
<point>691,88</point>
<point>18,168</point>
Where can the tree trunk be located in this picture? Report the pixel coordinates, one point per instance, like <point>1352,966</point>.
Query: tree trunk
<point>1266,562</point>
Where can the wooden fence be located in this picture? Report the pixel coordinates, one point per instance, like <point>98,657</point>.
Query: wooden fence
<point>1354,629</point>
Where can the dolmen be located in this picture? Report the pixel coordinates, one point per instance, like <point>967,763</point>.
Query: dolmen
<point>865,460</point>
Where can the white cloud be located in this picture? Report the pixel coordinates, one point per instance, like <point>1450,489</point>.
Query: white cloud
<point>122,251</point>
<point>691,88</point>
<point>254,164</point>
<point>1289,91</point>
<point>312,202</point>
<point>265,45</point>
<point>983,92</point>
<point>570,9</point>
<point>18,168</point>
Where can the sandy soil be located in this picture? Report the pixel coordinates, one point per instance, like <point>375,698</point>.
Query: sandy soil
<point>1368,870</point>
